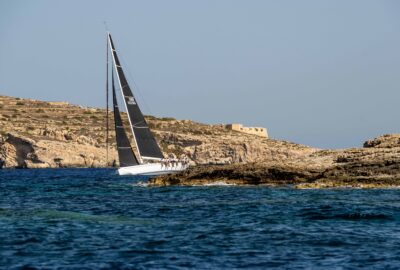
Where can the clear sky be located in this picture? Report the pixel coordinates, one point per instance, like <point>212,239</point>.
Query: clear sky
<point>318,72</point>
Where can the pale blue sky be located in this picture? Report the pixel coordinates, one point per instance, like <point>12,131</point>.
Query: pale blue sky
<point>322,73</point>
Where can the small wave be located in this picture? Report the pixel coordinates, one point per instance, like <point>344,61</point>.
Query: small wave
<point>364,216</point>
<point>348,216</point>
<point>56,215</point>
<point>218,183</point>
<point>140,184</point>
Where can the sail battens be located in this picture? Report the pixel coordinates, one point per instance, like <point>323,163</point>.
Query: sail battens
<point>144,139</point>
<point>152,158</point>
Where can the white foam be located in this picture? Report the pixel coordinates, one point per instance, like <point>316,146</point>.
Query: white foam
<point>140,184</point>
<point>218,183</point>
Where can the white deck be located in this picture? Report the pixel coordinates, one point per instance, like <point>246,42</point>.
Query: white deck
<point>151,169</point>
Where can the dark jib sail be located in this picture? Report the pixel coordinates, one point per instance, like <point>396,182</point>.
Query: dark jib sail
<point>125,153</point>
<point>146,143</point>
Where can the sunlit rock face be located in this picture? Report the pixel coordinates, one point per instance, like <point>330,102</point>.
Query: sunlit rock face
<point>57,134</point>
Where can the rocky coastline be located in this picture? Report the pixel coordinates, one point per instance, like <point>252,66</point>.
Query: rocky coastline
<point>377,165</point>
<point>38,134</point>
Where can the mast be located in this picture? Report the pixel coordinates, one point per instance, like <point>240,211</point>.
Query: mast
<point>144,140</point>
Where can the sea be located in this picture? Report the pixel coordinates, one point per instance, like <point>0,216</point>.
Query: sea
<point>95,219</point>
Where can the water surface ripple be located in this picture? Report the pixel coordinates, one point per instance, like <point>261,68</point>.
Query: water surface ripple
<point>94,219</point>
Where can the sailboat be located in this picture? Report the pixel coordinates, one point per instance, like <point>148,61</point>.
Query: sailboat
<point>148,159</point>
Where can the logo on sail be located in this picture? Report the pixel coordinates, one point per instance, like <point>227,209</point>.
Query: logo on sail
<point>131,101</point>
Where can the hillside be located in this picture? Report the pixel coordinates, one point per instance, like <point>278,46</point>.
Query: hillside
<point>37,134</point>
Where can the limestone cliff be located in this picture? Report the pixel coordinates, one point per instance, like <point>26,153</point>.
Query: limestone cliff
<point>37,134</point>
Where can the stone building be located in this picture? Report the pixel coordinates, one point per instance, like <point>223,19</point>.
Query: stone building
<point>259,131</point>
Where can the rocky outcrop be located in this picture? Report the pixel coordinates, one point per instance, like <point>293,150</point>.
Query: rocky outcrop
<point>17,151</point>
<point>375,166</point>
<point>385,141</point>
<point>239,174</point>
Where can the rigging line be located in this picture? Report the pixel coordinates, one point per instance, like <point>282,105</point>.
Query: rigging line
<point>107,94</point>
<point>137,89</point>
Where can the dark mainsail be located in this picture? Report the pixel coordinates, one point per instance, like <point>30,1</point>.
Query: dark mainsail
<point>145,140</point>
<point>125,153</point>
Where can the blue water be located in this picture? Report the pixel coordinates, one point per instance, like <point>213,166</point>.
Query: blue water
<point>94,219</point>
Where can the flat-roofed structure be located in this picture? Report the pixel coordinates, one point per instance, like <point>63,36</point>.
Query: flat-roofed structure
<point>259,131</point>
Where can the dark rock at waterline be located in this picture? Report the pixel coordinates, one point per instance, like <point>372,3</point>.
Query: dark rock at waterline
<point>365,168</point>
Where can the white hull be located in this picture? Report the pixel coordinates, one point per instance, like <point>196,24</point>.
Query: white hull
<point>151,169</point>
